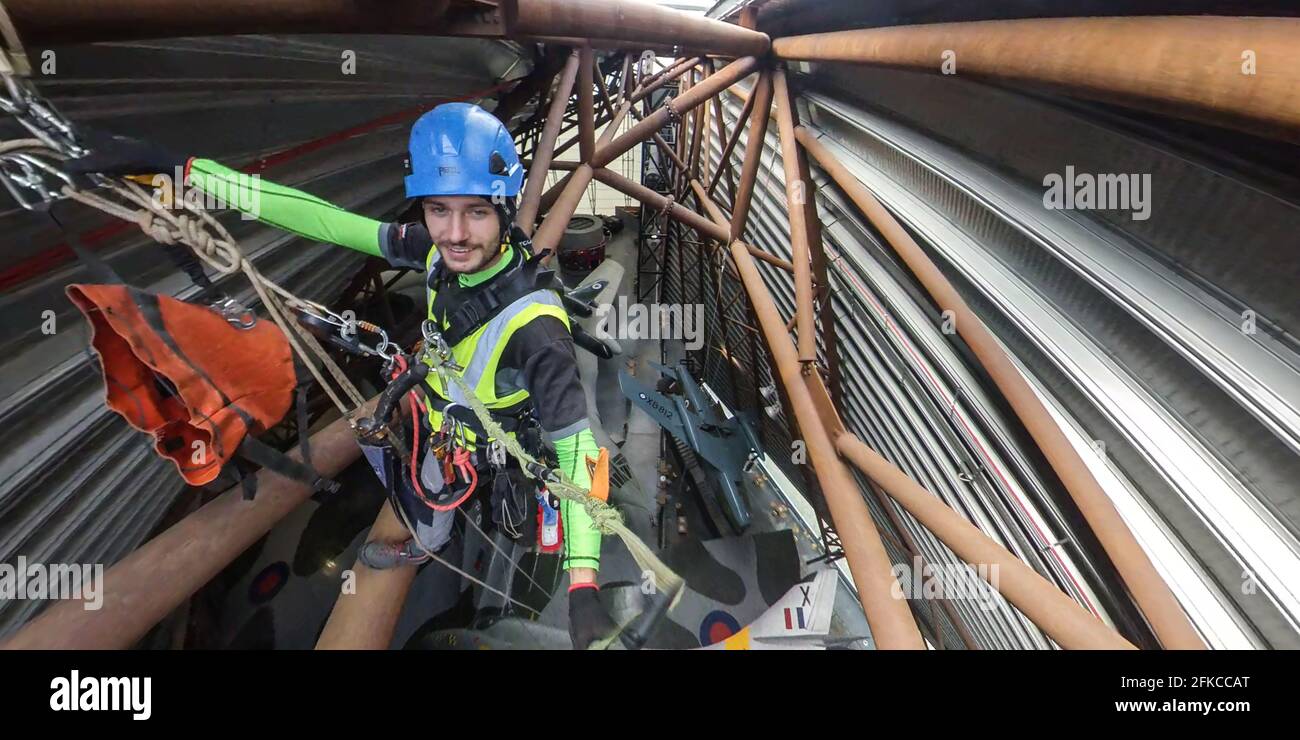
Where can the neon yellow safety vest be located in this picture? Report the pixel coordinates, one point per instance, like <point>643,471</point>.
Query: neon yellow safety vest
<point>480,352</point>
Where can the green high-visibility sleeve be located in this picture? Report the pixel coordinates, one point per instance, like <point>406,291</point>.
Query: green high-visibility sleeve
<point>581,538</point>
<point>285,208</point>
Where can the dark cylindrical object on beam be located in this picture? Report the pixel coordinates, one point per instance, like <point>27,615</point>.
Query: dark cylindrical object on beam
<point>365,616</point>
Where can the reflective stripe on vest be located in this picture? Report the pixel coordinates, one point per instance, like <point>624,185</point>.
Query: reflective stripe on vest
<point>480,352</point>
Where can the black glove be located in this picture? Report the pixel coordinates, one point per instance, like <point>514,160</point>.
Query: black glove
<point>111,154</point>
<point>588,620</point>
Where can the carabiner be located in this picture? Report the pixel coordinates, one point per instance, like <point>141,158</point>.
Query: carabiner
<point>235,313</point>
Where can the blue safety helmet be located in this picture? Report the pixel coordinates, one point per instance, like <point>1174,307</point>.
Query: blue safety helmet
<point>461,149</point>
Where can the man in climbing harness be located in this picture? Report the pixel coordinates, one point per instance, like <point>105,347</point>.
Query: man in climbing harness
<point>504,328</point>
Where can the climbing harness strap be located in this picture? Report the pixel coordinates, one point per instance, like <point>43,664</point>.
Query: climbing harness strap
<point>604,517</point>
<point>462,313</point>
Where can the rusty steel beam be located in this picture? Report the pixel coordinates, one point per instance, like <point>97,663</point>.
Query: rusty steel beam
<point>151,582</point>
<point>907,542</point>
<point>753,154</point>
<point>745,113</point>
<point>720,218</point>
<point>624,79</point>
<point>642,80</point>
<point>562,166</point>
<point>601,90</point>
<point>77,21</point>
<point>714,210</point>
<point>1049,608</point>
<point>657,81</point>
<point>586,105</point>
<point>672,153</point>
<point>683,135</point>
<point>1152,594</point>
<point>548,198</point>
<point>796,194</point>
<point>566,146</point>
<point>704,166</point>
<point>658,202</point>
<point>548,234</point>
<point>723,138</point>
<point>821,276</point>
<point>632,20</point>
<point>699,122</point>
<point>365,618</point>
<point>545,148</point>
<point>1184,65</point>
<point>770,259</point>
<point>565,205</point>
<point>611,128</point>
<point>715,227</point>
<point>889,616</point>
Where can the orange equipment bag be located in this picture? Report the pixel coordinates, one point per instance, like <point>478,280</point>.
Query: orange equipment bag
<point>200,385</point>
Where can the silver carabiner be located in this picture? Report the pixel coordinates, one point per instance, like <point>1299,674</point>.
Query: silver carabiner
<point>32,174</point>
<point>235,313</point>
<point>388,350</point>
<point>497,454</point>
<point>435,347</point>
<point>382,349</point>
<point>39,118</point>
